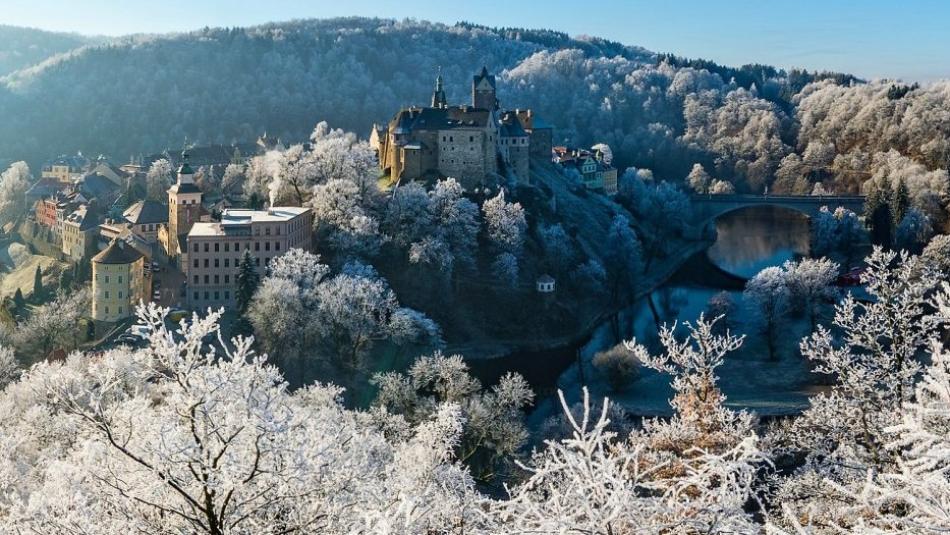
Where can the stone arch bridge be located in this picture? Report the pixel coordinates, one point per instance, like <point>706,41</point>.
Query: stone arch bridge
<point>707,208</point>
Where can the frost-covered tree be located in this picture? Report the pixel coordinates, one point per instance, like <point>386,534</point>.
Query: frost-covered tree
<point>913,232</point>
<point>158,179</point>
<point>767,292</point>
<point>505,224</point>
<point>698,179</point>
<point>591,277</point>
<point>494,430</point>
<point>559,252</point>
<point>340,218</point>
<point>354,311</point>
<point>232,182</point>
<point>839,233</point>
<point>505,270</point>
<point>721,187</point>
<point>663,212</point>
<point>872,358</point>
<point>618,365</point>
<point>936,255</point>
<point>624,258</point>
<point>13,185</point>
<point>177,438</point>
<point>809,282</point>
<point>54,325</point>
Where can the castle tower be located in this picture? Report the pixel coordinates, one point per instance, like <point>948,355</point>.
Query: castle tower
<point>184,208</point>
<point>438,95</point>
<point>483,91</point>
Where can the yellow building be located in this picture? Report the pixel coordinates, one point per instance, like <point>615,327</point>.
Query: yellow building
<point>118,282</point>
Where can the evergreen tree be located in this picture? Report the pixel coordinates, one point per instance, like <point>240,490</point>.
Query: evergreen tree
<point>900,202</point>
<point>247,281</point>
<point>65,280</point>
<point>879,215</point>
<point>18,300</point>
<point>38,284</point>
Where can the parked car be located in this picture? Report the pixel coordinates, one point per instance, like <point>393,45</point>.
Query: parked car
<point>155,267</point>
<point>138,331</point>
<point>851,278</point>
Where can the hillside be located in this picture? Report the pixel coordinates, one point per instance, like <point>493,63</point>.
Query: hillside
<point>143,94</point>
<point>24,47</point>
<point>753,126</point>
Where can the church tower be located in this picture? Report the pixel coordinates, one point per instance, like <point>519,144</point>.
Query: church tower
<point>483,91</point>
<point>184,209</point>
<point>438,95</point>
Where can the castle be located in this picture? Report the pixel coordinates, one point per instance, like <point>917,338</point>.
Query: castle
<point>467,142</point>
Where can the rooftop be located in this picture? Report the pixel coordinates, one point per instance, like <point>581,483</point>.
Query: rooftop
<point>235,219</point>
<point>118,252</point>
<point>144,212</point>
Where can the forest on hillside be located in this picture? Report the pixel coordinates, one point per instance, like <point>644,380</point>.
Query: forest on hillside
<point>755,126</point>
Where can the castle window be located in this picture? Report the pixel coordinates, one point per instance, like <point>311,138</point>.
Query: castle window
<point>450,138</point>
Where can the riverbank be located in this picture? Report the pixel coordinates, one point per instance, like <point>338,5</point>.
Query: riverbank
<point>659,274</point>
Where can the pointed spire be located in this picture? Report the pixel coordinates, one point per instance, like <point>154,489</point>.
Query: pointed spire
<point>438,95</point>
<point>185,174</point>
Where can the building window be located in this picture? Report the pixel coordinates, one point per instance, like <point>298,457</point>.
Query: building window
<point>227,279</point>
<point>107,294</point>
<point>257,262</point>
<point>215,262</point>
<point>196,262</point>
<point>195,248</point>
<point>107,310</point>
<point>207,296</point>
<point>196,279</point>
<point>227,262</point>
<point>120,310</point>
<point>267,231</point>
<point>267,246</point>
<point>206,262</point>
<point>120,281</point>
<point>216,246</point>
<point>216,279</point>
<point>107,279</point>
<point>227,247</point>
<point>227,294</point>
<point>217,296</point>
<point>277,246</point>
<point>206,247</point>
<point>196,296</point>
<point>207,279</point>
<point>257,246</point>
<point>120,297</point>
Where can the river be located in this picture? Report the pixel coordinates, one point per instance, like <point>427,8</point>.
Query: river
<point>747,241</point>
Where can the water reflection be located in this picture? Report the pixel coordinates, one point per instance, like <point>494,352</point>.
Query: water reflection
<point>755,238</point>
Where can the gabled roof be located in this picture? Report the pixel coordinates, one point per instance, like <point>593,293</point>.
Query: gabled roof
<point>98,186</point>
<point>84,217</point>
<point>118,252</point>
<point>145,212</point>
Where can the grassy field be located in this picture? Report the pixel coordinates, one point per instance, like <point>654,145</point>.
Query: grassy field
<point>19,269</point>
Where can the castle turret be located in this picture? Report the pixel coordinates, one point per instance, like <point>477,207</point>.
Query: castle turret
<point>438,95</point>
<point>184,208</point>
<point>483,91</point>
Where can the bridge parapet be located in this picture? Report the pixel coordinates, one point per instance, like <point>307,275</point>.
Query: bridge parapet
<point>709,207</point>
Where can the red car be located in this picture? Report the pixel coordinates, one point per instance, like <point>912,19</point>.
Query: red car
<point>851,278</point>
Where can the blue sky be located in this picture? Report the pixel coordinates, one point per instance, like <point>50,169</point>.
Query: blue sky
<point>907,39</point>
